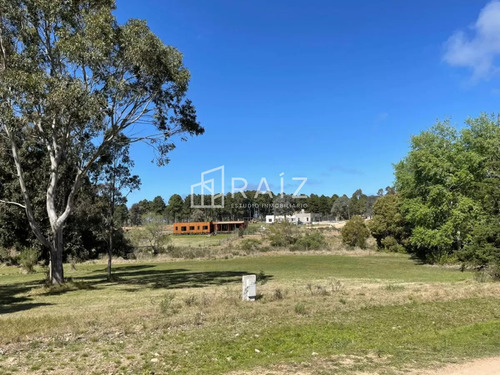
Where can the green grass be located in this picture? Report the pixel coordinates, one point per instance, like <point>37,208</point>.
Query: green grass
<point>418,333</point>
<point>381,312</point>
<point>284,267</point>
<point>199,240</point>
<point>305,267</point>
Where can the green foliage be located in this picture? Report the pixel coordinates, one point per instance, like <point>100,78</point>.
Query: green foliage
<point>358,203</point>
<point>8,256</point>
<point>135,214</point>
<point>84,231</point>
<point>252,228</point>
<point>311,240</point>
<point>252,205</point>
<point>355,232</point>
<point>167,305</point>
<point>389,243</point>
<point>283,234</point>
<point>341,208</point>
<point>300,308</point>
<point>250,244</point>
<point>448,187</point>
<point>151,238</point>
<point>4,255</point>
<point>175,206</point>
<point>28,258</point>
<point>484,247</point>
<point>157,205</point>
<point>388,226</point>
<point>493,270</point>
<point>73,81</point>
<point>154,234</point>
<point>320,204</point>
<point>288,235</point>
<point>121,215</point>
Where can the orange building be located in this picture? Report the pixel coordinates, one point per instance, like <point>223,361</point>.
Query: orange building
<point>203,227</point>
<point>207,227</point>
<point>228,226</point>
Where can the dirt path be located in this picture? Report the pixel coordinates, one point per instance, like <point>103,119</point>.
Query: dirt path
<point>487,366</point>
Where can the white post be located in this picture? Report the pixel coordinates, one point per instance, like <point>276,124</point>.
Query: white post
<point>249,287</point>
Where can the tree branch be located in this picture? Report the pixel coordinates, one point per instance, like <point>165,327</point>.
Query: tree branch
<point>27,201</point>
<point>13,203</point>
<point>3,64</point>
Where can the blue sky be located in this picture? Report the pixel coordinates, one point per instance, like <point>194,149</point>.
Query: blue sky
<point>329,90</point>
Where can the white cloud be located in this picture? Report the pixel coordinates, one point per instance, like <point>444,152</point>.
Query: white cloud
<point>479,50</point>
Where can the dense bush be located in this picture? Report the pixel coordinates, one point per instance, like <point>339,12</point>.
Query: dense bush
<point>288,235</point>
<point>252,228</point>
<point>28,259</point>
<point>483,249</point>
<point>355,232</point>
<point>388,225</point>
<point>283,234</point>
<point>8,256</point>
<point>389,243</point>
<point>311,240</point>
<point>250,244</point>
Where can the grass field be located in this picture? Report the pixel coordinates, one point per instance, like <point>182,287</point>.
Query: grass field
<point>317,314</point>
<point>199,240</point>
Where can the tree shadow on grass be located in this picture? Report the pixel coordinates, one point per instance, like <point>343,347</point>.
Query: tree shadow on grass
<point>13,296</point>
<point>418,261</point>
<point>21,307</point>
<point>13,300</point>
<point>127,268</point>
<point>171,279</point>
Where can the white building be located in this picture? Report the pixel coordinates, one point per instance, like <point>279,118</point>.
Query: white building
<point>297,218</point>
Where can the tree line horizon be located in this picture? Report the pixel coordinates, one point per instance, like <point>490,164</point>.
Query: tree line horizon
<point>246,206</point>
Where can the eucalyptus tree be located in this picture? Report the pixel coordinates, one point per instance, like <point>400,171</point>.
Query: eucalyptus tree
<point>116,182</point>
<point>341,208</point>
<point>358,203</point>
<point>73,80</point>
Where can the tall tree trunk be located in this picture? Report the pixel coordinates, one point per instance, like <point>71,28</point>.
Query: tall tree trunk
<point>112,219</point>
<point>110,253</point>
<point>56,258</point>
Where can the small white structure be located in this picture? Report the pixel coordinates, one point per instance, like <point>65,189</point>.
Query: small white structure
<point>249,292</point>
<point>301,217</point>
